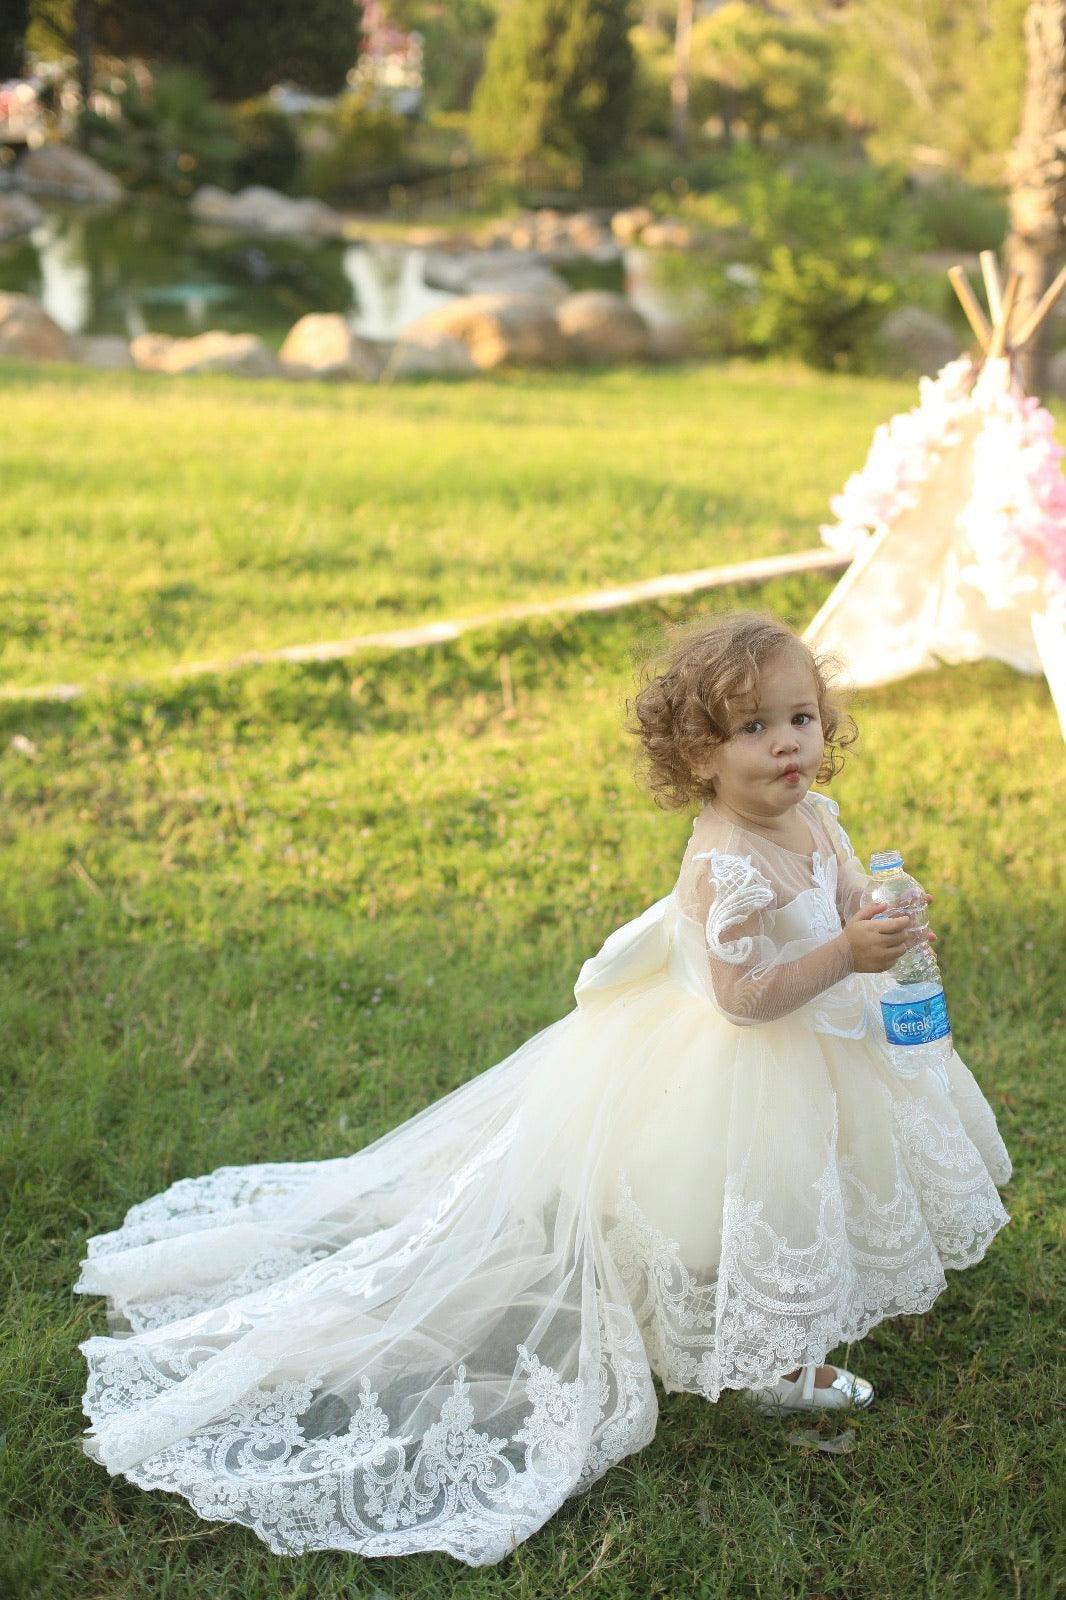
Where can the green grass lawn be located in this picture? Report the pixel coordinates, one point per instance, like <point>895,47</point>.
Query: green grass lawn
<point>268,916</point>
<point>151,521</point>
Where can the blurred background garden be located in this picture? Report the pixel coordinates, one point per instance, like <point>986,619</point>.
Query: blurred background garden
<point>318,320</point>
<point>750,179</point>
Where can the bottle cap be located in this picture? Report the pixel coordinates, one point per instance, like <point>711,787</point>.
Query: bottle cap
<point>885,860</point>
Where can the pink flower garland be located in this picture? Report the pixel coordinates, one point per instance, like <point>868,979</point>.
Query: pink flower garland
<point>1014,521</point>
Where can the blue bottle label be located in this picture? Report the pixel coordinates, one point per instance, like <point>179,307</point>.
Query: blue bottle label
<point>916,1021</point>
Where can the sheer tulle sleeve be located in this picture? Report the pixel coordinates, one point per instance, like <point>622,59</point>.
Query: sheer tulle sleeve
<point>759,970</point>
<point>852,877</point>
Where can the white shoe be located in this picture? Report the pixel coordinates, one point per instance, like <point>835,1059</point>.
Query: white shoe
<point>846,1392</point>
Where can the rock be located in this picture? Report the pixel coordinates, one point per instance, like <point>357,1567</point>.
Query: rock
<point>55,167</point>
<point>239,353</point>
<point>258,209</point>
<point>18,214</point>
<point>429,238</point>
<point>429,356</point>
<point>600,326</point>
<point>106,352</point>
<point>497,330</point>
<point>670,341</point>
<point>627,226</point>
<point>667,235</point>
<point>495,272</point>
<point>27,332</point>
<point>914,340</point>
<point>322,345</point>
<point>210,204</point>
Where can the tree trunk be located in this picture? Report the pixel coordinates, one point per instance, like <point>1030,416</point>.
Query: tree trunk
<point>680,79</point>
<point>84,47</point>
<point>1038,177</point>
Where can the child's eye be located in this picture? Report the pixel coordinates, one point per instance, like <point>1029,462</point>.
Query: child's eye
<point>802,717</point>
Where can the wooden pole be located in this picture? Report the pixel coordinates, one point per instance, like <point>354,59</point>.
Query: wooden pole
<point>998,343</point>
<point>992,289</point>
<point>1029,327</point>
<point>968,300</point>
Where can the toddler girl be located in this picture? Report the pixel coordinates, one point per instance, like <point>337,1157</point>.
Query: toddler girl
<point>706,1172</point>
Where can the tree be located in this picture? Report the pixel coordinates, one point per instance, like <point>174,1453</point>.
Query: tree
<point>933,76</point>
<point>679,78</point>
<point>1038,175</point>
<point>558,77</point>
<point>14,20</point>
<point>242,47</point>
<point>773,73</point>
<point>456,34</point>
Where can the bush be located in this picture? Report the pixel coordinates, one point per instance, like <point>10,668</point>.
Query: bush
<point>357,137</point>
<point>269,149</point>
<point>805,276</point>
<point>558,78</point>
<point>955,216</point>
<point>168,136</point>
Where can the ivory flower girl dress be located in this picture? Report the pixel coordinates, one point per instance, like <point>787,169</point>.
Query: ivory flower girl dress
<point>707,1171</point>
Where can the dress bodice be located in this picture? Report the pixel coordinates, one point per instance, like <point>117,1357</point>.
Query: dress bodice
<point>750,926</point>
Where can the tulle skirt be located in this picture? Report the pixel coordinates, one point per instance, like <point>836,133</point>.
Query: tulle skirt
<point>433,1343</point>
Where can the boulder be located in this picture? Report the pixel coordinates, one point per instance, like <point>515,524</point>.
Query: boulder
<point>497,330</point>
<point>18,214</point>
<point>430,238</point>
<point>667,235</point>
<point>258,209</point>
<point>429,355</point>
<point>600,326</point>
<point>627,226</point>
<point>27,332</point>
<point>914,340</point>
<point>239,353</point>
<point>55,168</point>
<point>105,352</point>
<point>670,341</point>
<point>495,272</point>
<point>322,345</point>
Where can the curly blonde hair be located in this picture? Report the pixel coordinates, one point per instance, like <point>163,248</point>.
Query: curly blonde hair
<point>696,675</point>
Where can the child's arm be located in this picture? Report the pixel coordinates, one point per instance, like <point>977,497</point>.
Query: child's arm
<point>757,980</point>
<point>852,877</point>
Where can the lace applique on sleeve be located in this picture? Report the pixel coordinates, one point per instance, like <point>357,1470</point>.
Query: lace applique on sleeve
<point>763,970</point>
<point>741,890</point>
<point>851,875</point>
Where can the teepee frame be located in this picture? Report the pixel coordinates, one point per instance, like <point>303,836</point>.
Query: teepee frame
<point>999,342</point>
<point>996,337</point>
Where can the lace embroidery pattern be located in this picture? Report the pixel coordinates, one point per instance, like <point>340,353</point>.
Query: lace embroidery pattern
<point>741,889</point>
<point>771,1304</point>
<point>296,1464</point>
<point>842,1010</point>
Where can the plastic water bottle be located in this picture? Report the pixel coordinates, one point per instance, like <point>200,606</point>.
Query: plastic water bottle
<point>915,1012</point>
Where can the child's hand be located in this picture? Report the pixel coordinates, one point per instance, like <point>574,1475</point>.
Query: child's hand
<point>876,941</point>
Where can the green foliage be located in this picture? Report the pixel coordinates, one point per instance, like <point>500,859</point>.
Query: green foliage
<point>653,57</point>
<point>806,274</point>
<point>763,71</point>
<point>934,80</point>
<point>558,80</point>
<point>455,38</point>
<point>269,149</point>
<point>169,137</point>
<point>954,215</point>
<point>241,46</point>
<point>357,136</point>
<point>14,22</point>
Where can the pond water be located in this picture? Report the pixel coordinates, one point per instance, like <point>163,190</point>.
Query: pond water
<point>153,268</point>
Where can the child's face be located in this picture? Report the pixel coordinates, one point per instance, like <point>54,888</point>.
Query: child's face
<point>776,743</point>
